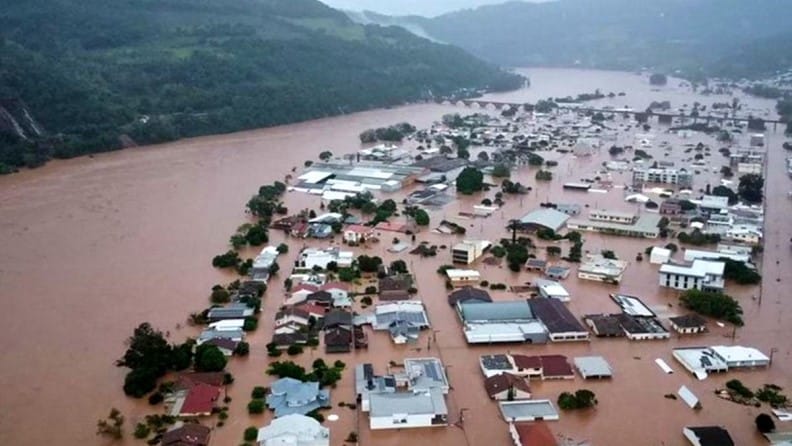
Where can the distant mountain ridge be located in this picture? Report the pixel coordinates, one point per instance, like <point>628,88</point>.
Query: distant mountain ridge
<point>92,71</point>
<point>694,36</point>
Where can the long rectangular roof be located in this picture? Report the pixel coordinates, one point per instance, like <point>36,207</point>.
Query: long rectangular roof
<point>527,410</point>
<point>429,402</point>
<point>547,217</point>
<point>503,311</point>
<point>555,316</point>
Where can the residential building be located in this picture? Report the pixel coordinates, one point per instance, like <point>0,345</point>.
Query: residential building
<point>680,177</point>
<point>399,410</point>
<point>707,436</point>
<point>593,367</point>
<point>506,386</point>
<point>643,226</point>
<point>187,434</point>
<point>532,434</point>
<point>560,323</point>
<point>196,400</point>
<point>659,255</point>
<point>291,320</point>
<point>557,272</point>
<point>294,430</point>
<point>231,311</point>
<point>505,321</point>
<point>403,319</point>
<point>262,263</point>
<point>313,257</point>
<point>338,340</point>
<point>528,410</point>
<point>695,254</point>
<point>748,234</point>
<point>600,269</point>
<point>713,204</point>
<point>738,356</point>
<point>357,234</point>
<point>702,360</point>
<point>625,218</point>
<point>226,346</point>
<point>535,265</point>
<point>688,324</point>
<point>550,289</point>
<point>670,207</point>
<point>469,251</point>
<point>236,335</point>
<point>463,277</point>
<point>396,287</point>
<point>700,275</point>
<point>290,396</point>
<point>425,373</point>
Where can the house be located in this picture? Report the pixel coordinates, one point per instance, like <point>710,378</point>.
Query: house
<point>188,434</point>
<point>739,356</point>
<point>748,234</point>
<point>604,325</point>
<point>235,335</point>
<point>468,294</point>
<point>300,292</point>
<point>718,358</point>
<point>688,324</point>
<point>228,324</point>
<point>506,386</point>
<point>232,311</point>
<point>188,380</point>
<point>463,277</point>
<point>198,400</point>
<point>320,258</point>
<point>356,234</point>
<point>642,328</point>
<point>593,367</point>
<point>543,218</point>
<point>549,289</point>
<point>260,271</point>
<point>290,396</point>
<point>543,366</point>
<point>696,254</point>
<point>670,207</point>
<point>531,434</point>
<point>399,410</point>
<point>535,265</point>
<point>294,430</point>
<point>312,310</point>
<point>320,298</point>
<point>338,340</point>
<point>504,321</point>
<point>339,292</point>
<point>560,323</point>
<point>292,320</point>
<point>492,365</point>
<point>395,287</point>
<point>601,269</point>
<point>226,346</point>
<point>288,339</point>
<point>700,275</point>
<point>366,382</point>
<point>425,373</point>
<point>337,318</point>
<point>469,251</point>
<point>557,272</point>
<point>707,436</point>
<point>713,204</point>
<point>528,410</point>
<point>403,319</point>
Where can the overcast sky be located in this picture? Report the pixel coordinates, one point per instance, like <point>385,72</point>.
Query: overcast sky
<point>405,7</point>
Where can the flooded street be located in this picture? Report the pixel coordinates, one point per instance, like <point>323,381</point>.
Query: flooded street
<point>94,246</point>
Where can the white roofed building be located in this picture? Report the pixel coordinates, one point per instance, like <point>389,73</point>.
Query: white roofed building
<point>294,430</point>
<point>701,275</point>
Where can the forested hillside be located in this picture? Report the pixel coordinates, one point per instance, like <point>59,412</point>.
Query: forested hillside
<point>90,71</point>
<point>696,37</point>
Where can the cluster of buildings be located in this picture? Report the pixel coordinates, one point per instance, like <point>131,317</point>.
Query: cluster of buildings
<point>719,358</point>
<point>636,321</point>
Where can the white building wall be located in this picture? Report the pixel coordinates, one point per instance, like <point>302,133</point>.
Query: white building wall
<point>679,281</point>
<point>395,422</point>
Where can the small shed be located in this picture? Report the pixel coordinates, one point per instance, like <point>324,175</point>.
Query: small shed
<point>688,324</point>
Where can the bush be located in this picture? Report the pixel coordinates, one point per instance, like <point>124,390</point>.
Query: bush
<point>250,324</point>
<point>209,358</point>
<point>737,386</point>
<point>316,415</point>
<point>219,295</point>
<point>717,305</point>
<point>155,398</point>
<point>250,434</point>
<point>740,273</point>
<point>366,300</point>
<point>371,290</point>
<point>242,349</point>
<point>553,250</point>
<point>258,392</point>
<point>142,431</point>
<point>139,382</point>
<point>498,251</point>
<point>294,350</point>
<point>608,254</point>
<point>255,407</point>
<point>283,248</point>
<point>581,399</point>
<point>765,423</point>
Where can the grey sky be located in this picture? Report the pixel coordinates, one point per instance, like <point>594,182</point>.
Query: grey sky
<point>405,7</point>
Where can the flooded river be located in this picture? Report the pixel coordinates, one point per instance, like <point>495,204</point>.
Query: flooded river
<point>94,246</point>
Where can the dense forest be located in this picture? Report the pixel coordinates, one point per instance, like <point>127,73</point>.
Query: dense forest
<point>79,77</point>
<point>731,38</point>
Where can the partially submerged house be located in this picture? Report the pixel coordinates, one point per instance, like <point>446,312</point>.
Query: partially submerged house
<point>293,430</point>
<point>700,275</point>
<point>463,277</point>
<point>707,436</point>
<point>688,324</point>
<point>593,367</point>
<point>560,323</point>
<point>506,386</point>
<point>468,295</point>
<point>543,218</point>
<point>290,396</point>
<point>187,434</point>
<point>395,287</point>
<point>528,410</point>
<point>550,289</point>
<point>468,251</point>
<point>197,399</point>
<point>600,269</point>
<point>531,434</point>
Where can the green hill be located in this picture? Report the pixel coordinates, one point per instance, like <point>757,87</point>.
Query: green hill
<point>89,71</point>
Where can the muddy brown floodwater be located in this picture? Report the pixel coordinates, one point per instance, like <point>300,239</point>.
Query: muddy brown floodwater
<point>94,246</point>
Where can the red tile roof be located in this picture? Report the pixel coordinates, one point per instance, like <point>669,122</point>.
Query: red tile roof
<point>311,309</point>
<point>334,285</point>
<point>305,286</point>
<point>527,362</point>
<point>535,434</point>
<point>498,383</point>
<point>360,229</point>
<point>190,434</point>
<point>187,380</point>
<point>200,399</point>
<point>393,227</point>
<point>556,366</point>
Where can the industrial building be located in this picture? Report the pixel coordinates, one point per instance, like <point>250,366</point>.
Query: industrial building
<point>505,321</point>
<point>700,275</point>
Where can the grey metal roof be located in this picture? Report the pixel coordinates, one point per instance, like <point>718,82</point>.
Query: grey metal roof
<point>424,402</point>
<point>384,321</point>
<point>496,362</point>
<point>549,218</point>
<point>528,410</point>
<point>593,366</point>
<point>516,310</point>
<point>555,315</point>
<point>290,396</point>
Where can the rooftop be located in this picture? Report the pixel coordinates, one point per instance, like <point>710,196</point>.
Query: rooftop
<point>467,294</point>
<point>498,383</point>
<point>555,316</point>
<point>293,430</point>
<point>708,436</point>
<point>503,311</point>
<point>699,268</point>
<point>551,288</point>
<point>189,434</point>
<point>429,402</point>
<point>534,434</point>
<point>495,362</point>
<point>632,305</point>
<point>691,320</point>
<point>528,410</point>
<point>545,217</point>
<point>593,366</point>
<point>425,373</point>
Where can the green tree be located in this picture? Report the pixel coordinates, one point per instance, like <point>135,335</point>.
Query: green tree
<point>501,171</point>
<point>113,426</point>
<point>294,350</point>
<point>765,423</point>
<point>142,431</point>
<point>723,191</point>
<point>368,264</point>
<point>250,434</point>
<point>750,188</point>
<point>147,349</point>
<point>258,392</point>
<point>140,381</point>
<point>242,349</point>
<point>209,358</point>
<point>469,181</point>
<point>255,407</point>
<point>283,248</point>
<point>326,155</point>
<point>713,304</point>
<point>421,217</point>
<point>286,369</point>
